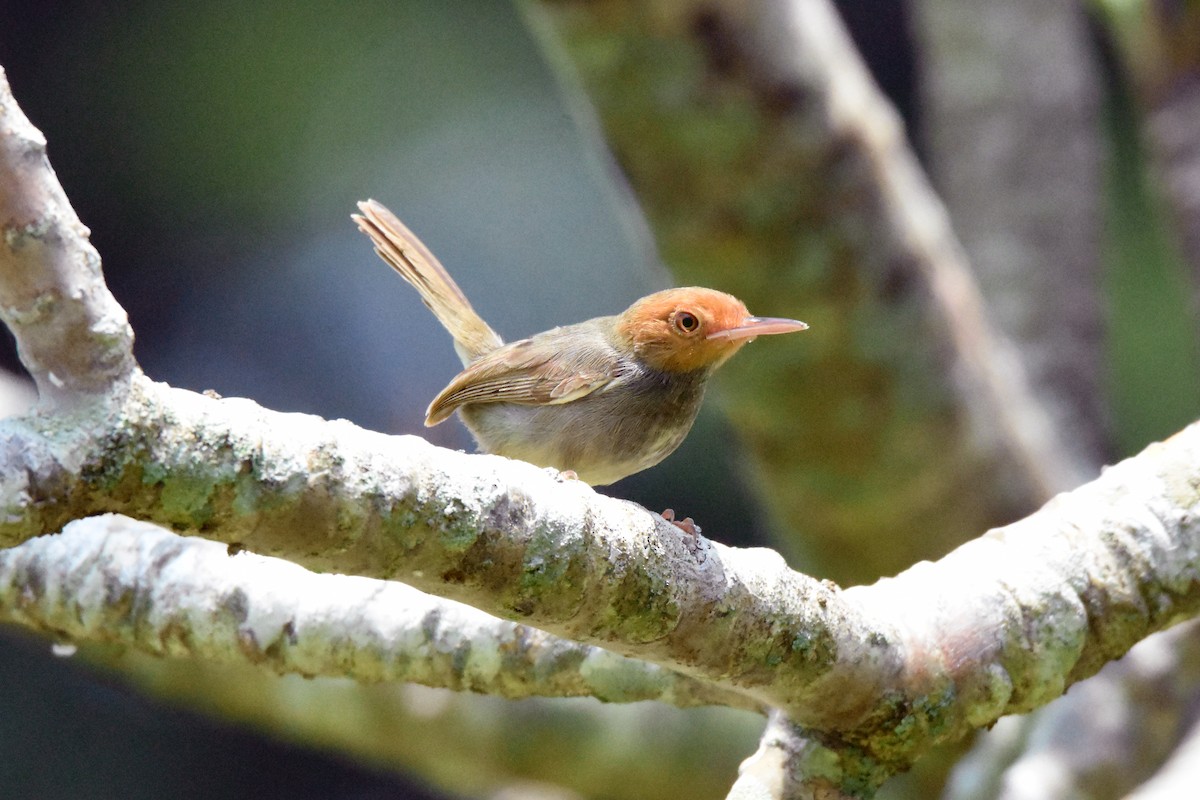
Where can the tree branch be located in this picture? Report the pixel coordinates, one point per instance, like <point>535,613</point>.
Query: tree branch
<point>72,334</point>
<point>1106,737</point>
<point>790,764</point>
<point>1004,624</point>
<point>112,579</point>
<point>1177,778</point>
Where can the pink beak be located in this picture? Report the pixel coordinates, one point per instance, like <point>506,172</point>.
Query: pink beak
<point>759,326</point>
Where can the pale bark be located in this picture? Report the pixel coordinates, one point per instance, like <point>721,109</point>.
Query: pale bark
<point>73,336</point>
<point>788,765</point>
<point>1101,740</point>
<point>111,579</point>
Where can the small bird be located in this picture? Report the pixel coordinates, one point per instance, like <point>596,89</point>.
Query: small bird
<point>602,399</point>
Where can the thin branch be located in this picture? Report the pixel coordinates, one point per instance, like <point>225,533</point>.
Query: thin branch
<point>112,579</point>
<point>72,334</point>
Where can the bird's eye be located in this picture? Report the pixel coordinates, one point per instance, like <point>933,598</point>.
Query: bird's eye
<point>686,322</point>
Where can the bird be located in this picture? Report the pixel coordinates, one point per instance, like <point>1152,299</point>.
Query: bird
<point>598,400</point>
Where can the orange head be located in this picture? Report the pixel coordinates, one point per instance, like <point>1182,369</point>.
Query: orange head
<point>682,330</point>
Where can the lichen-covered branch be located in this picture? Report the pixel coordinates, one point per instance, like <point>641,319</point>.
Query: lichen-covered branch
<point>337,498</point>
<point>1002,625</point>
<point>112,579</point>
<point>791,764</point>
<point>1107,736</point>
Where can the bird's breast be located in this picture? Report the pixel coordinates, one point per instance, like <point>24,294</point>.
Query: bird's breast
<point>623,428</point>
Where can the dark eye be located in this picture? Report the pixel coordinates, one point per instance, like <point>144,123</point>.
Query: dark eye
<point>686,322</point>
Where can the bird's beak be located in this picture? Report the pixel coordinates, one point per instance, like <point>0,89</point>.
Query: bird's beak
<point>759,326</point>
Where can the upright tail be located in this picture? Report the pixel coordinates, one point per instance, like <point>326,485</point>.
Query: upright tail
<point>404,253</point>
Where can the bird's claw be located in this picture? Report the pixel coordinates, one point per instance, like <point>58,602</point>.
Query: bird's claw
<point>687,524</point>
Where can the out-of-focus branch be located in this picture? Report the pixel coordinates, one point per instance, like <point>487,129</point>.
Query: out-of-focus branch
<point>73,335</point>
<point>1175,149</point>
<point>469,744</point>
<point>1011,111</point>
<point>1178,777</point>
<point>769,164</point>
<point>112,579</point>
<point>1011,115</point>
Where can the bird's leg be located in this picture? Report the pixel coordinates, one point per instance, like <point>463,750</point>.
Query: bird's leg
<point>687,524</point>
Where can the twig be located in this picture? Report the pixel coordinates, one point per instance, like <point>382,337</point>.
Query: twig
<point>73,336</point>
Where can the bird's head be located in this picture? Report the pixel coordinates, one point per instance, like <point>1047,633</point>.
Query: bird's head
<point>683,330</point>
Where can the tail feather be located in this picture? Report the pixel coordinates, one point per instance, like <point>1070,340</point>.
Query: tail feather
<point>405,253</point>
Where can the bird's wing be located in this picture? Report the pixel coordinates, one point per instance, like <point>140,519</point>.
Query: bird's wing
<point>525,373</point>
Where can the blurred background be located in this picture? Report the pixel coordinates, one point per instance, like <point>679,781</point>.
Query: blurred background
<point>216,150</point>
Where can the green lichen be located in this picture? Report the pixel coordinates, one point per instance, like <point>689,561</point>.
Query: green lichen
<point>398,523</point>
<point>458,529</point>
<point>985,700</point>
<point>620,685</point>
<point>248,497</point>
<point>812,649</point>
<point>642,609</point>
<point>552,572</point>
<point>186,497</point>
<point>903,720</point>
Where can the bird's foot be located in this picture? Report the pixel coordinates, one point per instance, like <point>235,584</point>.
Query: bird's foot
<point>687,524</point>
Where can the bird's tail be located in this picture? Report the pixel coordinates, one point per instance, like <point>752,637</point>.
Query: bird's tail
<point>404,253</point>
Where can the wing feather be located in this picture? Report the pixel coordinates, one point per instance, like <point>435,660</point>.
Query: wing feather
<point>523,372</point>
